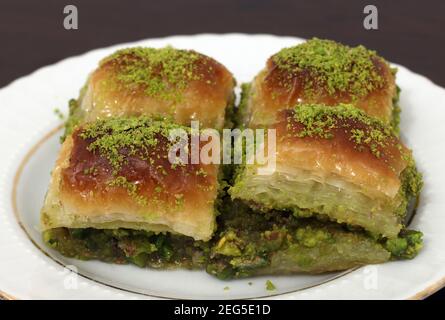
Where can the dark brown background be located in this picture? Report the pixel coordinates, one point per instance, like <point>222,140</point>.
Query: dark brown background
<point>32,34</point>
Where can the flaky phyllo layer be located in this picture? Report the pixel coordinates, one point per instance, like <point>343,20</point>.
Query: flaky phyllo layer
<point>335,162</point>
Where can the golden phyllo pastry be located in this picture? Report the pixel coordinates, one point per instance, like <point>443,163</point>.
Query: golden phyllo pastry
<point>325,72</point>
<point>335,162</point>
<point>116,173</point>
<point>181,84</point>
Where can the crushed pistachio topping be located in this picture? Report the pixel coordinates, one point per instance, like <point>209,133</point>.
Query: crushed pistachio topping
<point>320,121</point>
<point>74,118</point>
<point>396,110</point>
<point>92,171</point>
<point>131,188</point>
<point>270,286</point>
<point>136,135</point>
<point>201,172</point>
<point>117,138</point>
<point>162,73</point>
<point>334,66</point>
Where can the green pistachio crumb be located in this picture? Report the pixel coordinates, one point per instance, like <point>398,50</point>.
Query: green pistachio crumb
<point>337,67</point>
<point>270,286</point>
<point>158,189</point>
<point>319,121</point>
<point>179,199</point>
<point>201,172</point>
<point>74,118</point>
<point>162,73</point>
<point>136,134</point>
<point>132,189</point>
<point>59,114</point>
<point>91,171</point>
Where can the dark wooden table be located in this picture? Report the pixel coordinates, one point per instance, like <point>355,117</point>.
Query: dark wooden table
<point>32,34</point>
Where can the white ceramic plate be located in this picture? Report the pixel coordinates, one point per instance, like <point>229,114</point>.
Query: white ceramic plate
<point>29,146</point>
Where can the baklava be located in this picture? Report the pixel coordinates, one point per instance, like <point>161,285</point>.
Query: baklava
<point>117,173</point>
<point>334,162</point>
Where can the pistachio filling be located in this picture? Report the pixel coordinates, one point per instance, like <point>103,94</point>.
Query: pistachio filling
<point>246,243</point>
